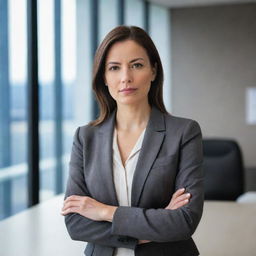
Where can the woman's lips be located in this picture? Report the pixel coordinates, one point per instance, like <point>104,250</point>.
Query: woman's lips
<point>128,90</point>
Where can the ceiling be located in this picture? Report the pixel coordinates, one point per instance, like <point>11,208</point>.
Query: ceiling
<point>189,3</point>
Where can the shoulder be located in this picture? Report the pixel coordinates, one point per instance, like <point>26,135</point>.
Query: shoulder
<point>87,129</point>
<point>173,125</point>
<point>85,133</point>
<point>183,126</point>
<point>177,121</point>
<point>183,131</point>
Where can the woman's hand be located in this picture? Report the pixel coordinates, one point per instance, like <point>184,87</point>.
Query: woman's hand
<point>179,199</point>
<point>89,208</point>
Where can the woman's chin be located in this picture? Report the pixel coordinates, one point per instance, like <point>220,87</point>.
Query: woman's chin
<point>131,101</point>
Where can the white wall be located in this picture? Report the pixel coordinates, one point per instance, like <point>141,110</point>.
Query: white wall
<point>213,62</point>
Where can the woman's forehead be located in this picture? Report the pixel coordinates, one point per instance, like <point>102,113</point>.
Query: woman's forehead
<point>126,50</point>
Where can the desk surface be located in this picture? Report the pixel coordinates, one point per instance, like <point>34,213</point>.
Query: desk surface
<point>227,228</point>
<point>39,231</point>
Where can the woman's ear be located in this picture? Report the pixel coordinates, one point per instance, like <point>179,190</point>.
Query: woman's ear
<point>154,72</point>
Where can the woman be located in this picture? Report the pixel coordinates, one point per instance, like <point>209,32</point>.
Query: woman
<point>126,166</point>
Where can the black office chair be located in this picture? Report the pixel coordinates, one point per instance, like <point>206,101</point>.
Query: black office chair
<point>223,169</point>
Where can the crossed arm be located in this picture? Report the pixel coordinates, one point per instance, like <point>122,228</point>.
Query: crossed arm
<point>97,211</point>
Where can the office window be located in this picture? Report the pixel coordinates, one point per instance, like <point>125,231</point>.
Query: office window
<point>13,107</point>
<point>107,22</point>
<point>134,13</point>
<point>46,97</point>
<point>76,111</point>
<point>59,89</point>
<point>76,72</point>
<point>160,31</point>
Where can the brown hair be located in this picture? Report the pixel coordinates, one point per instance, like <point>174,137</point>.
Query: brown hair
<point>121,33</point>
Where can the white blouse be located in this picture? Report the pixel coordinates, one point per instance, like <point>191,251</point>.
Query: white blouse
<point>123,176</point>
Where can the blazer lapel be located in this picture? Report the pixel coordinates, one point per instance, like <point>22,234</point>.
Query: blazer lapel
<point>105,160</point>
<point>152,142</point>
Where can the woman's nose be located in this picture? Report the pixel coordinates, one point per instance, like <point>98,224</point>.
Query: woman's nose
<point>126,76</point>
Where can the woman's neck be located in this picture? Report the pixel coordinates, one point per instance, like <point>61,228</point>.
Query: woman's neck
<point>131,118</point>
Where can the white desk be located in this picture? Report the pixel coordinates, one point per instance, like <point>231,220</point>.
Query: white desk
<point>227,228</point>
<point>39,231</point>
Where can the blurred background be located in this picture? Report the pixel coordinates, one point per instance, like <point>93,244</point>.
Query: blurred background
<point>208,50</point>
<point>68,33</point>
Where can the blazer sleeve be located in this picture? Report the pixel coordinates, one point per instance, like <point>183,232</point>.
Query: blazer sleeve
<point>163,225</point>
<point>79,227</point>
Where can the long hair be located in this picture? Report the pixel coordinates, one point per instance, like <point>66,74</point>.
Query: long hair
<point>121,33</point>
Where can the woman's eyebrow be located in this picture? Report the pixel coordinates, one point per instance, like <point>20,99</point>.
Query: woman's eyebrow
<point>112,62</point>
<point>136,60</point>
<point>118,63</point>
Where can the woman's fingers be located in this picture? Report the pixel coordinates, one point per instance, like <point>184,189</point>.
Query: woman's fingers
<point>73,204</point>
<point>184,197</point>
<point>70,210</point>
<point>178,193</point>
<point>179,199</point>
<point>74,198</point>
<point>70,204</point>
<point>87,207</point>
<point>176,205</point>
<point>77,201</point>
<point>179,204</point>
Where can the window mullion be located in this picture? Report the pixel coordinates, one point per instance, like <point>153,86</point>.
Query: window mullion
<point>33,104</point>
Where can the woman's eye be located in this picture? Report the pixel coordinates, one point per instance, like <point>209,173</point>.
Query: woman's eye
<point>114,68</point>
<point>137,65</point>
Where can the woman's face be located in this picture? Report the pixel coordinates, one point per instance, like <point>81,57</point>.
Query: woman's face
<point>128,73</point>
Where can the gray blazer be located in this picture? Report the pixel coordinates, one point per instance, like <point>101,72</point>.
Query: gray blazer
<point>170,158</point>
